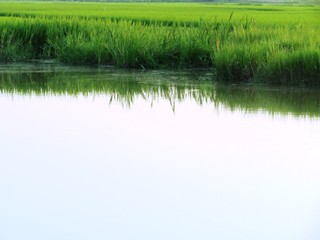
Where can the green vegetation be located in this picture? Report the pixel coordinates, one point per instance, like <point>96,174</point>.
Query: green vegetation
<point>276,44</point>
<point>127,86</point>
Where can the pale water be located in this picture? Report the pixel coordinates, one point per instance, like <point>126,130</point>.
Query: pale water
<point>101,154</point>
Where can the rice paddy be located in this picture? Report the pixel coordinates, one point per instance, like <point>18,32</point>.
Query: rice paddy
<point>275,44</point>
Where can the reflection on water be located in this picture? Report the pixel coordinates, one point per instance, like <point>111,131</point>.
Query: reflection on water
<point>125,87</point>
<point>100,154</point>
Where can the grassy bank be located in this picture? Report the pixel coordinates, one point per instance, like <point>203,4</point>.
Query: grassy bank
<point>262,43</point>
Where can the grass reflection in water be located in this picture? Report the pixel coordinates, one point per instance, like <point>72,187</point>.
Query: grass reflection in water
<point>127,86</point>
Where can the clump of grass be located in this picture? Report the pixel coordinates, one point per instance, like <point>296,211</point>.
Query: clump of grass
<point>8,47</point>
<point>236,64</point>
<point>298,68</point>
<point>131,44</point>
<point>11,47</point>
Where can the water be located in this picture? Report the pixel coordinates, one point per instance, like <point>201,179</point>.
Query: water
<point>101,154</point>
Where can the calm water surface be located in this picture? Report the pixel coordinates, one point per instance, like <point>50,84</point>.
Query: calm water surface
<point>101,154</point>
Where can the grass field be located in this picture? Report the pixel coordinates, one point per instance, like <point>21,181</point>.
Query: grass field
<point>241,43</point>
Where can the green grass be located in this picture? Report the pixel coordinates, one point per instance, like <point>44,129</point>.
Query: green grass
<point>278,44</point>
